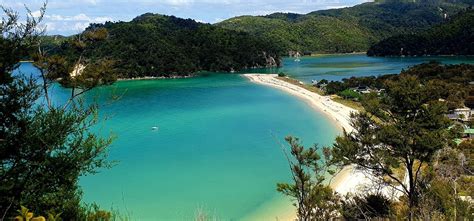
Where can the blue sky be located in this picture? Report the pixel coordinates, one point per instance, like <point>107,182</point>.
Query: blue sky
<point>68,17</point>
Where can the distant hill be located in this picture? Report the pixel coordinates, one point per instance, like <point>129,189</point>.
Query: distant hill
<point>51,43</point>
<point>347,29</point>
<point>453,37</point>
<point>158,45</point>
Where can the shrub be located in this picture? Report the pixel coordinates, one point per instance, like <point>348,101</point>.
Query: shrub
<point>350,94</point>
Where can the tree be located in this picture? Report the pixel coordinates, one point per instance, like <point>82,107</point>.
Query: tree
<point>469,102</point>
<point>350,94</point>
<point>314,199</point>
<point>366,207</point>
<point>158,45</point>
<point>44,149</point>
<point>400,131</point>
<point>449,168</point>
<point>334,87</point>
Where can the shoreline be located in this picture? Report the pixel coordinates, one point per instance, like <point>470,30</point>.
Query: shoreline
<point>349,53</point>
<point>335,111</point>
<point>155,78</point>
<point>347,180</point>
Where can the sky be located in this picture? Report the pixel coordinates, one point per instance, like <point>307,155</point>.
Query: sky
<point>66,17</point>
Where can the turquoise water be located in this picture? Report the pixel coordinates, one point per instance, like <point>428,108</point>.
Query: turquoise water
<point>337,67</point>
<point>218,144</point>
<point>217,147</point>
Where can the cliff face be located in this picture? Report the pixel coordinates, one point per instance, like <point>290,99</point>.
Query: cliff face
<point>272,62</point>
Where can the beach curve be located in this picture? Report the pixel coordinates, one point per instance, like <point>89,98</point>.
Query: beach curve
<point>348,180</point>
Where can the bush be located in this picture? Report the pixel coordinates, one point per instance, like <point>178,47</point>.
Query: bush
<point>334,87</point>
<point>350,94</point>
<point>364,207</point>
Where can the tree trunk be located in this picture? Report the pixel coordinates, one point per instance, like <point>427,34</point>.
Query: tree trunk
<point>455,203</point>
<point>411,190</point>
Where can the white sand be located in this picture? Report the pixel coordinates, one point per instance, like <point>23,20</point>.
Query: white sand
<point>348,180</point>
<point>78,69</point>
<point>334,110</point>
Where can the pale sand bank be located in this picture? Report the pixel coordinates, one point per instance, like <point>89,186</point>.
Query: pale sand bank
<point>334,110</point>
<point>346,181</point>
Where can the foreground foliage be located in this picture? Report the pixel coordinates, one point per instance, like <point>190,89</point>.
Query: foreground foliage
<point>313,198</point>
<point>44,146</point>
<point>412,128</point>
<point>405,142</point>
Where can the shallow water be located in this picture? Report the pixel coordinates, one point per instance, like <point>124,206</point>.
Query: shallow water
<point>337,67</point>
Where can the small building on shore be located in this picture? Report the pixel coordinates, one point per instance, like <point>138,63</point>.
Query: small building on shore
<point>468,133</point>
<point>461,114</point>
<point>362,90</point>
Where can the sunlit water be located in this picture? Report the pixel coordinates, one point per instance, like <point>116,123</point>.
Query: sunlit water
<point>337,67</point>
<point>217,144</point>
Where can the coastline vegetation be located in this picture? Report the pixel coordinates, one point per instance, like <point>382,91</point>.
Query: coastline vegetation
<point>153,45</point>
<point>300,84</point>
<point>344,101</point>
<point>449,82</point>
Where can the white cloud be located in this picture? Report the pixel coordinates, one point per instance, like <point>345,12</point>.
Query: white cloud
<point>50,26</point>
<point>336,6</point>
<point>178,2</point>
<point>71,24</point>
<point>78,17</point>
<point>36,13</point>
<point>80,26</point>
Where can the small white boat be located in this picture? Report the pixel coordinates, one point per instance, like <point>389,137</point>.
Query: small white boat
<point>154,128</point>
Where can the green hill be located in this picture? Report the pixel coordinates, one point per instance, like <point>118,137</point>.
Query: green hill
<point>346,29</point>
<point>453,37</point>
<point>158,45</point>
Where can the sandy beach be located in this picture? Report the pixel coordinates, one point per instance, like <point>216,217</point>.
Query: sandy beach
<point>347,180</point>
<point>336,111</point>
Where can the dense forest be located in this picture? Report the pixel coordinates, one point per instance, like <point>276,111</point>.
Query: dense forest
<point>454,37</point>
<point>347,29</point>
<point>158,45</point>
<point>449,82</point>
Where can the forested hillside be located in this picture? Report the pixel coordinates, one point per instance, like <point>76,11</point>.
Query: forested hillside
<point>158,45</point>
<point>347,29</point>
<point>454,37</point>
